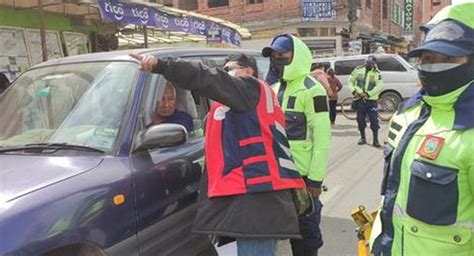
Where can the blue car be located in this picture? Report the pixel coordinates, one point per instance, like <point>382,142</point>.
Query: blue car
<point>84,170</point>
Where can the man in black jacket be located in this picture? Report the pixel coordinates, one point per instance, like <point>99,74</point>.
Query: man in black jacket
<point>262,212</point>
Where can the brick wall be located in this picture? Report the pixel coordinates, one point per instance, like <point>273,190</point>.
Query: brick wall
<point>377,14</point>
<point>239,11</point>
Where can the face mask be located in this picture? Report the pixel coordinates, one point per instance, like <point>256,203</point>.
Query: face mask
<point>444,78</point>
<point>278,65</point>
<point>231,72</point>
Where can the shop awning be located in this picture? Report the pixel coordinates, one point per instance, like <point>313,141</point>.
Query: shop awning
<point>182,24</point>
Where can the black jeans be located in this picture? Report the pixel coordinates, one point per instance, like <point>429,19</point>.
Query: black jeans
<point>332,110</point>
<point>309,228</point>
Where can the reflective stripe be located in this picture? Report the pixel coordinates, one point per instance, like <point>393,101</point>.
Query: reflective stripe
<point>268,99</point>
<point>280,128</point>
<point>398,211</point>
<point>288,164</point>
<point>286,149</point>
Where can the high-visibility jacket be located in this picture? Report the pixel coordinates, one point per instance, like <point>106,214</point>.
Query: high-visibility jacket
<point>248,152</point>
<point>428,188</point>
<point>304,101</point>
<point>370,82</point>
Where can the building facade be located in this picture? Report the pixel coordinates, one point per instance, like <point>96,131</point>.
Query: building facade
<point>362,26</point>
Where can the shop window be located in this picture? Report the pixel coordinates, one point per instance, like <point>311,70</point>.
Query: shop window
<point>254,1</point>
<point>217,3</point>
<point>188,5</point>
<point>307,32</point>
<point>323,32</point>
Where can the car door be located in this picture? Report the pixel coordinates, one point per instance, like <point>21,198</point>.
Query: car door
<point>166,182</point>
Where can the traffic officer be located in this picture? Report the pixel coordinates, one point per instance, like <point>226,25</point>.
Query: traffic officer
<point>304,101</point>
<point>365,84</point>
<point>428,208</point>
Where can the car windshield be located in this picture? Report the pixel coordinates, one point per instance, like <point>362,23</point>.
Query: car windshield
<point>79,104</point>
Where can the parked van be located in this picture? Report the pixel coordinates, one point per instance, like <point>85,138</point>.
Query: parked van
<point>85,171</point>
<point>399,77</point>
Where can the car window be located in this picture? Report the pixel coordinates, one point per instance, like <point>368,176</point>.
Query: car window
<point>166,103</point>
<point>345,67</point>
<point>263,65</point>
<point>215,61</point>
<point>390,64</point>
<point>82,104</point>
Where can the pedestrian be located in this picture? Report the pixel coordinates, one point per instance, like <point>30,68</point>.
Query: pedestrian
<point>428,186</point>
<point>366,83</point>
<point>336,86</point>
<point>304,102</point>
<point>318,71</point>
<point>4,82</point>
<point>247,184</point>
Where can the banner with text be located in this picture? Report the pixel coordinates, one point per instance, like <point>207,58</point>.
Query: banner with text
<point>408,19</point>
<point>318,10</point>
<point>137,14</point>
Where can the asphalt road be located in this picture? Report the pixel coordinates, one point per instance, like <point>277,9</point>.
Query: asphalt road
<point>353,178</point>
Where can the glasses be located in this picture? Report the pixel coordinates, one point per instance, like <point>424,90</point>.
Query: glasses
<point>231,67</point>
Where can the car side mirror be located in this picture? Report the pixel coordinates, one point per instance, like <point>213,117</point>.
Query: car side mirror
<point>161,136</point>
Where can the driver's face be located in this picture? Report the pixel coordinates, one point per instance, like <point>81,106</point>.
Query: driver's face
<point>167,105</point>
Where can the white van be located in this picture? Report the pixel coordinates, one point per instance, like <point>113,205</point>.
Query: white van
<point>399,77</point>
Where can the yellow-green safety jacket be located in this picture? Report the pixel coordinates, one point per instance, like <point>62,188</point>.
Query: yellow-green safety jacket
<point>371,84</point>
<point>428,188</point>
<point>305,105</point>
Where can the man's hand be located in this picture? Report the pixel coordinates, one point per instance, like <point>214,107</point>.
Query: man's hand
<point>315,192</point>
<point>147,62</point>
<point>364,95</point>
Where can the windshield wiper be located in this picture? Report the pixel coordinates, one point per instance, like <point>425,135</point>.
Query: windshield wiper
<point>51,146</point>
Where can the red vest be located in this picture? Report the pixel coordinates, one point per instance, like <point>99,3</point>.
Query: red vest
<point>248,152</point>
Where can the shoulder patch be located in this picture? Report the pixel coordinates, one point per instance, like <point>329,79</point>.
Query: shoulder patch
<point>320,104</point>
<point>308,83</point>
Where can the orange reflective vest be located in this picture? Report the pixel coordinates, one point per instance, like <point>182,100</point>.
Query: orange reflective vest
<point>248,152</point>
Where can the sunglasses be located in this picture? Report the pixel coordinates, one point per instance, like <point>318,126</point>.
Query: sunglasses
<point>232,67</point>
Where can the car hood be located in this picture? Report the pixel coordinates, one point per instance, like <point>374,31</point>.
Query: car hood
<point>20,175</point>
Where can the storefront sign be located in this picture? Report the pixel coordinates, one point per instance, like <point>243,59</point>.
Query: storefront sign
<point>137,14</point>
<point>408,21</point>
<point>318,10</point>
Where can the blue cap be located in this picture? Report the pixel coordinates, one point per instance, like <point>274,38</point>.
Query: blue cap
<point>448,37</point>
<point>371,59</point>
<point>282,43</point>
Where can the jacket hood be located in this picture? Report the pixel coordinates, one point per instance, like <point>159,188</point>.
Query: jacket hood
<point>300,66</point>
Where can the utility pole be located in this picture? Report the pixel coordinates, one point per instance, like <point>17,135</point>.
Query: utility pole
<point>44,47</point>
<point>352,17</point>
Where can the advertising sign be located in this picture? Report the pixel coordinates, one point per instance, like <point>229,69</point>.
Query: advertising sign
<point>408,19</point>
<point>137,14</point>
<point>318,10</point>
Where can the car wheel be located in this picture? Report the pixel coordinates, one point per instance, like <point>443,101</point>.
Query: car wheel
<point>392,95</point>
